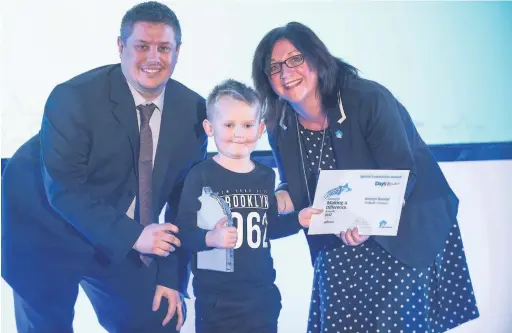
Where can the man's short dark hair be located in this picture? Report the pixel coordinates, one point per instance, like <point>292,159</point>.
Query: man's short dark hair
<point>234,89</point>
<point>153,12</point>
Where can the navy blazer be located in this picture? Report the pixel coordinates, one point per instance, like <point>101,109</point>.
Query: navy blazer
<point>376,133</point>
<point>68,188</point>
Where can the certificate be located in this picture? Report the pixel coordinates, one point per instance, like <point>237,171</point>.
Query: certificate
<point>370,200</point>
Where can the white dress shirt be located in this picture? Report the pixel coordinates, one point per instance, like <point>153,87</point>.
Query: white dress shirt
<point>154,124</point>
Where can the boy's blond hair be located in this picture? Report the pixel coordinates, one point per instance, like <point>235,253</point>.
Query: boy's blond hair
<point>234,89</point>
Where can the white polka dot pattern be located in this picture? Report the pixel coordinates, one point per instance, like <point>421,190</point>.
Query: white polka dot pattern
<point>363,289</point>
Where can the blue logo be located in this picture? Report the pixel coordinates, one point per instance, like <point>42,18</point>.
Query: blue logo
<point>337,191</point>
<point>384,224</point>
<point>339,134</point>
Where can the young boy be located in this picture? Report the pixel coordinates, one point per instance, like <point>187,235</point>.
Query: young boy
<point>246,300</point>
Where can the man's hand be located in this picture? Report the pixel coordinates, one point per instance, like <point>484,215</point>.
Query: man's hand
<point>221,236</point>
<point>157,239</point>
<point>175,304</point>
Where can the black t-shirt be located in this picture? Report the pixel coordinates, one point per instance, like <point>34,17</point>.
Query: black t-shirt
<point>254,210</point>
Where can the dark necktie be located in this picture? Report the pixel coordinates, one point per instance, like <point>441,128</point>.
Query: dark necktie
<point>146,170</point>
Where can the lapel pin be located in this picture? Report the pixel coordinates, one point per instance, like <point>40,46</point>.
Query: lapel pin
<point>339,134</point>
<point>342,112</point>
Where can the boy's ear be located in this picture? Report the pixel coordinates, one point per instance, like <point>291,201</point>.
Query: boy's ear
<point>208,127</point>
<point>261,128</point>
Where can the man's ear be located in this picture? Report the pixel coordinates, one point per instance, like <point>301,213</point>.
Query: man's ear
<point>178,48</point>
<point>120,45</point>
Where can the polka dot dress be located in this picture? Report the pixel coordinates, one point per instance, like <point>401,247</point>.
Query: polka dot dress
<point>364,289</point>
<point>312,143</point>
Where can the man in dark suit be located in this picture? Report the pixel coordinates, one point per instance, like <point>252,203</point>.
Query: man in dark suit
<point>81,199</point>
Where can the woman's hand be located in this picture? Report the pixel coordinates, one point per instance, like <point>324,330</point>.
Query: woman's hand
<point>352,237</point>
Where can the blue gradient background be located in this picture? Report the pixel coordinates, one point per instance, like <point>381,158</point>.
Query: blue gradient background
<point>449,63</point>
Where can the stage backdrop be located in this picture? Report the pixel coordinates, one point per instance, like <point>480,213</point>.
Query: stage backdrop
<point>449,63</point>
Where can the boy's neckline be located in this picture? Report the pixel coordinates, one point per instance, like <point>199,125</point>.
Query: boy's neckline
<point>220,163</point>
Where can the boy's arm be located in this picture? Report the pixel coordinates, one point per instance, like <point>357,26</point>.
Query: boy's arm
<point>192,237</point>
<point>173,271</point>
<point>280,225</point>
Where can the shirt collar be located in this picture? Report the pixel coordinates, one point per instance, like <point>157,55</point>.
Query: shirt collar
<point>137,97</point>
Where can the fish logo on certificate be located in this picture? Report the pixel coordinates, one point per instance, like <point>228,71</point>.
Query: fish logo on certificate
<point>337,191</point>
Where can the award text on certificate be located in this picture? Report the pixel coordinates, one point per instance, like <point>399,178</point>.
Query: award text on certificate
<point>370,200</point>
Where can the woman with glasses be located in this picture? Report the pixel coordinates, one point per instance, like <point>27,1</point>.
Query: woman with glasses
<point>321,115</point>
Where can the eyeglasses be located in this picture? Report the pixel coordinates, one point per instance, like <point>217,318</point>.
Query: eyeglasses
<point>293,61</point>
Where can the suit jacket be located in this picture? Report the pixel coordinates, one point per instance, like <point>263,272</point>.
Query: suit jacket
<point>372,130</point>
<point>69,187</point>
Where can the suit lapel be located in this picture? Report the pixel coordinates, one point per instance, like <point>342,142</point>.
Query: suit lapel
<point>291,156</point>
<point>124,111</point>
<point>340,134</point>
<point>171,131</point>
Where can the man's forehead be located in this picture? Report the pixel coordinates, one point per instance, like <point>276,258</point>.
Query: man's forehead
<point>142,30</point>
